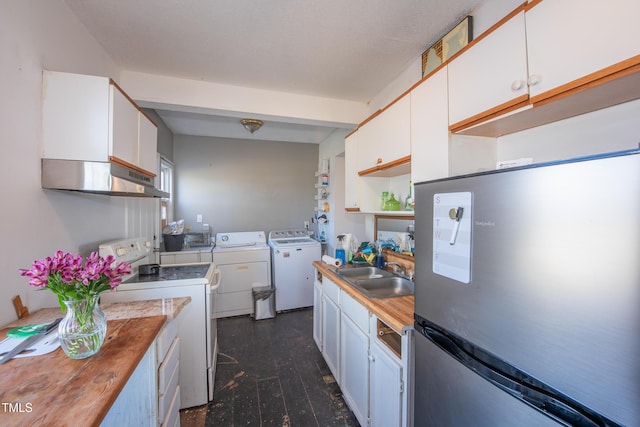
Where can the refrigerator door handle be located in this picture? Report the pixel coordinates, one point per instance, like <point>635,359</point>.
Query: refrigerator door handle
<point>519,384</point>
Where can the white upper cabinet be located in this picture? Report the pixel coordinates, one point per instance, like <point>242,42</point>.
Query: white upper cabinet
<point>386,137</point>
<point>90,118</point>
<point>430,129</point>
<point>377,155</point>
<point>147,143</point>
<point>569,39</point>
<point>123,117</point>
<point>491,74</point>
<point>547,61</point>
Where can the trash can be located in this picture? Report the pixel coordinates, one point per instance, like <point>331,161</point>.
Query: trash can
<point>264,306</point>
<point>173,242</point>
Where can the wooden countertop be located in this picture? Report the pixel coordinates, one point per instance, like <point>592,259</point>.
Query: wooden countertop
<point>55,390</point>
<point>396,312</point>
<point>170,307</point>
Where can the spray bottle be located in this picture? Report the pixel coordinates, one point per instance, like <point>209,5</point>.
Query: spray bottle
<point>340,253</point>
<point>379,259</point>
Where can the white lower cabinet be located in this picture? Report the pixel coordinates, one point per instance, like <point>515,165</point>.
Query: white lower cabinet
<point>168,363</point>
<point>331,326</point>
<point>354,364</point>
<point>387,388</point>
<point>367,358</point>
<point>136,404</point>
<point>317,313</point>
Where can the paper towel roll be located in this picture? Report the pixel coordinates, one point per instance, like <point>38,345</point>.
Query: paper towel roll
<point>331,260</point>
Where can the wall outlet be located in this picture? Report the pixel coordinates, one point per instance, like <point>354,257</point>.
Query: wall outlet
<point>306,225</point>
<point>199,218</point>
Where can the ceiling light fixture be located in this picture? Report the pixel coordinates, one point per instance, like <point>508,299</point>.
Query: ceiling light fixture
<point>251,125</point>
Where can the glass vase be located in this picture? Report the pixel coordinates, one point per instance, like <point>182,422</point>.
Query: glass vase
<point>83,328</point>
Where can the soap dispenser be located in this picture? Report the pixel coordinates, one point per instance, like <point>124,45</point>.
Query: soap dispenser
<point>340,253</point>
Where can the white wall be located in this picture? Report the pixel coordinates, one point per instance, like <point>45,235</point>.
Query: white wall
<point>37,35</point>
<point>340,222</point>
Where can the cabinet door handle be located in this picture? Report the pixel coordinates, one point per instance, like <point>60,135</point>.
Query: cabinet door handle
<point>517,85</point>
<point>534,79</point>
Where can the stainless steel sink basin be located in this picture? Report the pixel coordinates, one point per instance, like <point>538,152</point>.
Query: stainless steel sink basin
<point>386,287</point>
<point>360,273</point>
<point>377,283</point>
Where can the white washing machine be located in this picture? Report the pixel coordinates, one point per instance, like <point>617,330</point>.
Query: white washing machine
<point>292,254</point>
<point>244,260</point>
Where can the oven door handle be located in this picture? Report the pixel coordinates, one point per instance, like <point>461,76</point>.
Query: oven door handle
<point>217,277</point>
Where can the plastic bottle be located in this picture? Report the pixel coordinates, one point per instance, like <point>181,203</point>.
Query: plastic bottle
<point>379,259</point>
<point>340,253</point>
<point>408,202</point>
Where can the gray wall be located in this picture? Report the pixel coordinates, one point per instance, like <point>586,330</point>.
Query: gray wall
<point>241,185</point>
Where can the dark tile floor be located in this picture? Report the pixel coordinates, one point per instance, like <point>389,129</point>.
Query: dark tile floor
<point>271,373</point>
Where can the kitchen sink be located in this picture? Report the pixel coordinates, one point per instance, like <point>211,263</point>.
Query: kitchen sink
<point>386,287</point>
<point>377,283</point>
<point>359,273</point>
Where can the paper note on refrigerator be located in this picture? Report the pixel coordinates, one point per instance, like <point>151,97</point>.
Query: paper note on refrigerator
<point>452,235</point>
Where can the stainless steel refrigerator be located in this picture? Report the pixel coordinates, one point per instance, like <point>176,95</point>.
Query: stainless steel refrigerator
<point>528,296</point>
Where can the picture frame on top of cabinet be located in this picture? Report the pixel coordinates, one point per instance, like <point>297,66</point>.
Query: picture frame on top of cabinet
<point>452,42</point>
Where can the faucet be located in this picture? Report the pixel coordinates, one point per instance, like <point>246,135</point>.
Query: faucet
<point>404,273</point>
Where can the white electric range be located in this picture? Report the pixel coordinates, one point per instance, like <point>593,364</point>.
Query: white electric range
<point>197,328</point>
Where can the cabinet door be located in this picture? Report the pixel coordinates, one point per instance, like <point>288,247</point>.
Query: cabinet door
<point>75,117</point>
<point>317,314</point>
<point>123,141</point>
<point>354,368</point>
<point>368,143</point>
<point>394,133</point>
<point>136,405</point>
<point>590,37</point>
<point>331,335</point>
<point>147,144</point>
<point>490,75</point>
<point>386,137</point>
<point>430,129</point>
<point>351,178</point>
<point>386,388</point>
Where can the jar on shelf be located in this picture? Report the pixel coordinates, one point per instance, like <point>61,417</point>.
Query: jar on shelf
<point>392,204</point>
<point>383,200</point>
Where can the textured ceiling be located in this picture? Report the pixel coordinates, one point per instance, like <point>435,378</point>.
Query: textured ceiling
<point>333,48</point>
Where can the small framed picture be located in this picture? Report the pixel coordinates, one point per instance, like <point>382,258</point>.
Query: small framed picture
<point>447,46</point>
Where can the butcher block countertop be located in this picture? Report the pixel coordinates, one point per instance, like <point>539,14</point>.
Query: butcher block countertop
<point>396,312</point>
<point>55,390</point>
